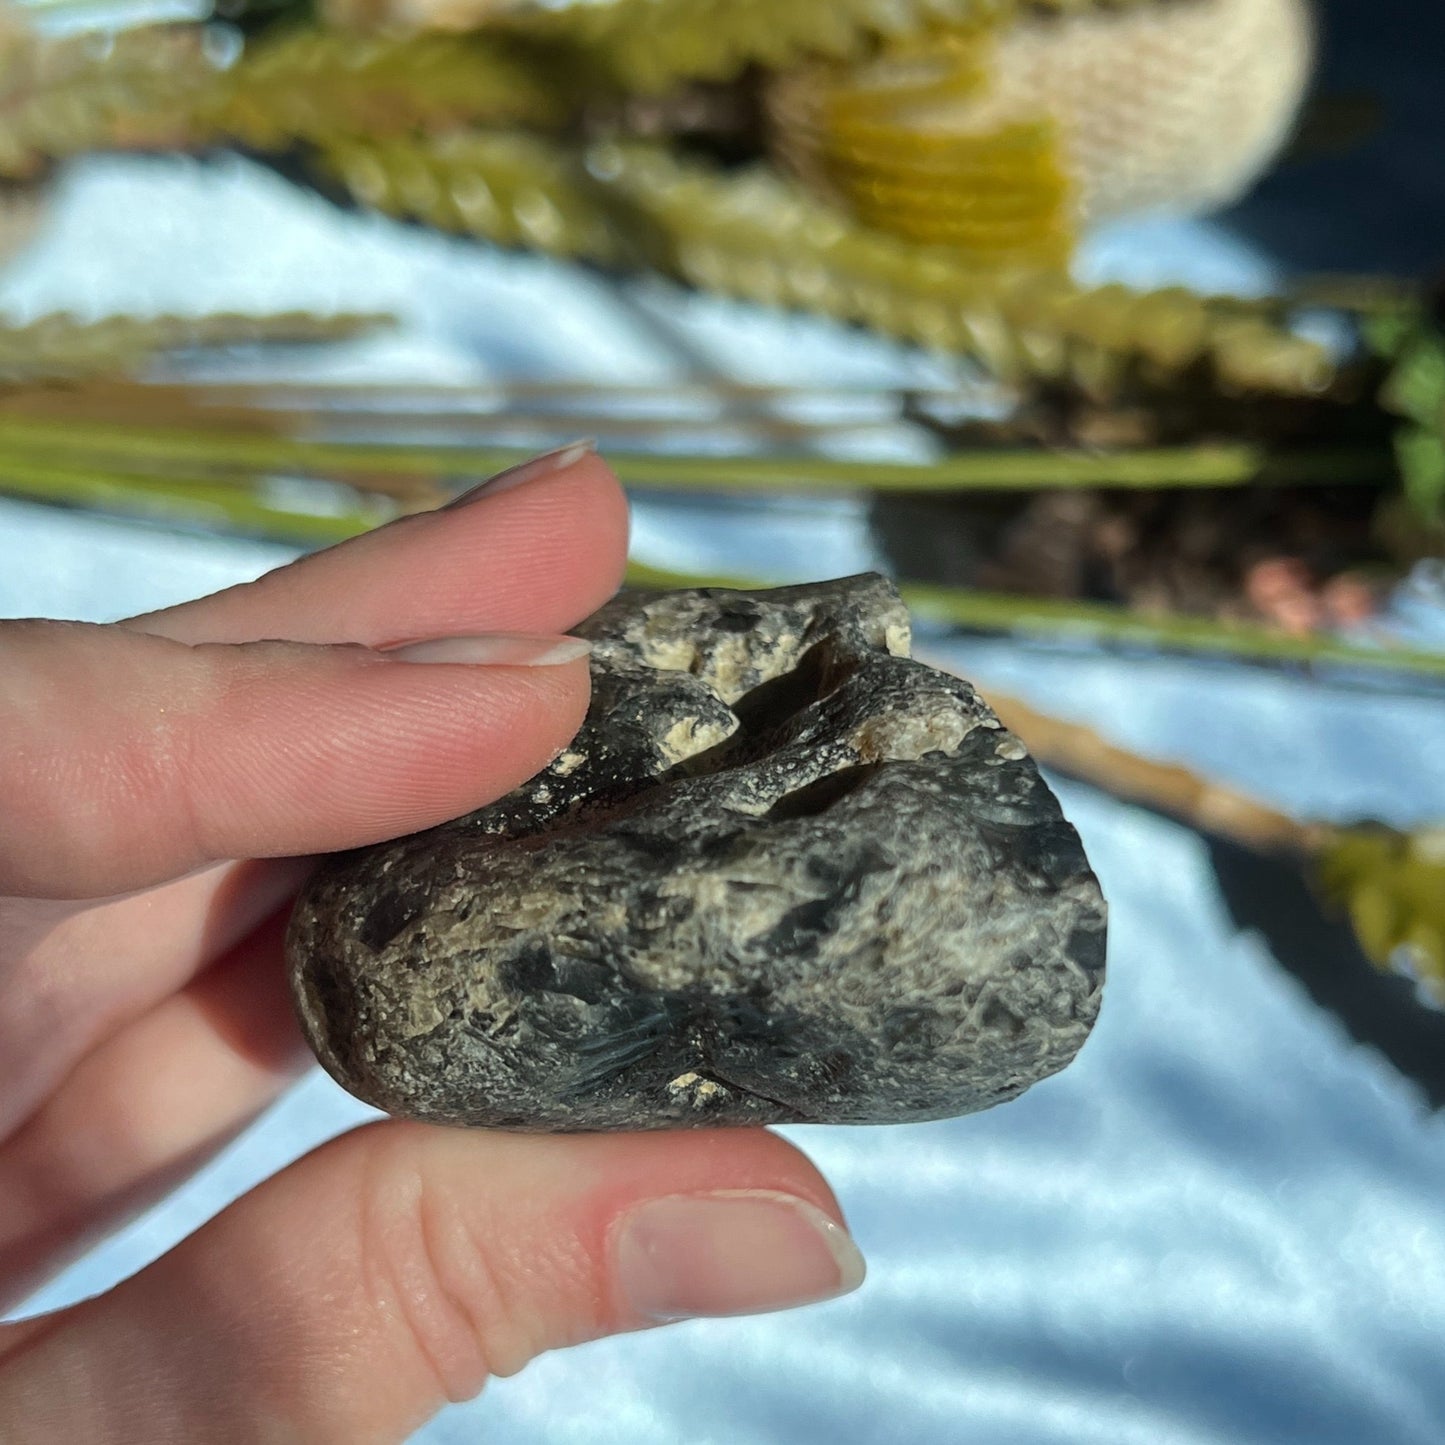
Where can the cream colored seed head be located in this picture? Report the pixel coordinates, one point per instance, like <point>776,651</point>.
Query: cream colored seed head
<point>1178,105</point>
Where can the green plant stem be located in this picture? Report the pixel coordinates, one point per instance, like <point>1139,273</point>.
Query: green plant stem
<point>1097,622</point>
<point>150,449</point>
<point>177,500</point>
<point>1008,469</point>
<point>60,346</point>
<point>1118,626</point>
<point>205,502</point>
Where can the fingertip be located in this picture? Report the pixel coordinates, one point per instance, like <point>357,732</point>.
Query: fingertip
<point>583,509</point>
<point>613,515</point>
<point>536,557</point>
<point>729,1252</point>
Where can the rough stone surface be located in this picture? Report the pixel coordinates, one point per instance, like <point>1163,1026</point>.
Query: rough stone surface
<point>783,874</point>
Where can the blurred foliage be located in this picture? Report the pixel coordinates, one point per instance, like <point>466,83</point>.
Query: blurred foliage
<point>523,131</point>
<point>177,88</point>
<point>829,157</point>
<point>884,140</point>
<point>1392,885</point>
<point>65,346</point>
<point>1413,342</point>
<point>649,46</point>
<point>749,234</point>
<point>252,461</point>
<point>60,96</point>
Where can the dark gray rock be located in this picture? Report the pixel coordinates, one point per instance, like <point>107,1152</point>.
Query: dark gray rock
<point>783,874</point>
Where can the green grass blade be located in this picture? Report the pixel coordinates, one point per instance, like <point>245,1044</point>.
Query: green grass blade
<point>149,449</point>
<point>205,501</point>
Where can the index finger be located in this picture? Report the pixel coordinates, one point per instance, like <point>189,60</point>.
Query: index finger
<point>535,550</point>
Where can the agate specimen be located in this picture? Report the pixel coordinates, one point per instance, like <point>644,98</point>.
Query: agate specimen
<point>784,873</point>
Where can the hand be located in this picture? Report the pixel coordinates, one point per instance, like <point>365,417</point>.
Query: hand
<point>397,1267</point>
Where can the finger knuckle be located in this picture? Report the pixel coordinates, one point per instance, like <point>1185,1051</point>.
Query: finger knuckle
<point>430,1275</point>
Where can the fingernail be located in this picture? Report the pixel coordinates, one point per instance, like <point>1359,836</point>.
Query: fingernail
<point>732,1253</point>
<point>523,473</point>
<point>499,649</point>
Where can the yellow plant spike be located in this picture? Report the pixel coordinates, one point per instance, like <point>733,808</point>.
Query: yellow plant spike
<point>651,46</point>
<point>63,95</point>
<point>1393,887</point>
<point>311,84</point>
<point>162,87</point>
<point>909,144</point>
<point>507,187</point>
<point>751,235</point>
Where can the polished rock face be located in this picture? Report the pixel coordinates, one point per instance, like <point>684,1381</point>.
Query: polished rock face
<point>783,874</point>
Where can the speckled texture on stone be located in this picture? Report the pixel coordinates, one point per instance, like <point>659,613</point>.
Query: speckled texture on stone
<point>783,874</point>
